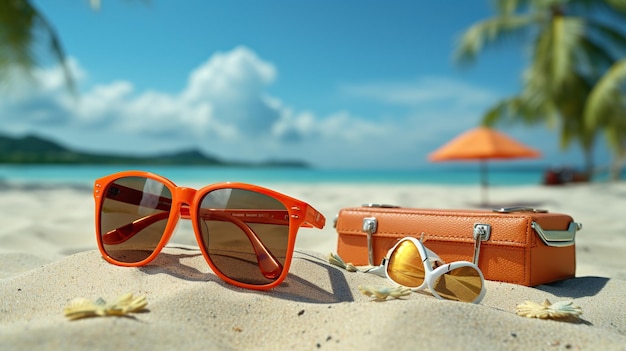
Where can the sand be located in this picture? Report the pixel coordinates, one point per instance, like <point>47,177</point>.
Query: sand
<point>48,256</point>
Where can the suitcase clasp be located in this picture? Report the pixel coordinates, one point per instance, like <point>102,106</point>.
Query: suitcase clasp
<point>482,232</point>
<point>370,226</point>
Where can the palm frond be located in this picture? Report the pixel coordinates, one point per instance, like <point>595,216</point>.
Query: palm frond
<point>518,109</point>
<point>585,8</point>
<point>566,34</point>
<point>543,5</point>
<point>573,43</point>
<point>555,55</point>
<point>489,32</point>
<point>500,113</point>
<point>610,35</point>
<point>617,5</point>
<point>57,50</point>
<point>16,22</point>
<point>593,58</point>
<point>606,100</point>
<point>508,7</point>
<point>20,21</point>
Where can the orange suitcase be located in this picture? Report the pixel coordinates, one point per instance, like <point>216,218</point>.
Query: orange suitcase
<point>516,245</point>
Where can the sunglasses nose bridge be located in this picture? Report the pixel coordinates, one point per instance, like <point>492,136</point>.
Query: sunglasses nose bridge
<point>186,195</point>
<point>184,198</point>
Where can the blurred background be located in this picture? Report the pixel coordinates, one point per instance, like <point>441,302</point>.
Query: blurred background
<point>326,85</point>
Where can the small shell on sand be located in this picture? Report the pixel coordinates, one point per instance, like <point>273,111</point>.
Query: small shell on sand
<point>125,304</point>
<point>547,310</point>
<point>381,293</point>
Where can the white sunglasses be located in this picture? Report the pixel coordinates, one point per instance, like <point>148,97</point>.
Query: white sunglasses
<point>410,264</point>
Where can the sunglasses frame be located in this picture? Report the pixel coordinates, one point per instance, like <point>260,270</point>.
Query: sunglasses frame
<point>300,213</point>
<point>428,257</point>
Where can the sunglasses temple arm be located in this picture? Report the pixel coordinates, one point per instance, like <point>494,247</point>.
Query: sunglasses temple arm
<point>377,270</point>
<point>269,265</point>
<point>125,232</point>
<point>313,218</point>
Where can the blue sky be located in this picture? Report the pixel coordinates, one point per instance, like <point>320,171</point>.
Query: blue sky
<point>340,84</point>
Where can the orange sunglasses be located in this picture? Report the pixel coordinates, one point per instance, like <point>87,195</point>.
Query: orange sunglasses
<point>246,233</point>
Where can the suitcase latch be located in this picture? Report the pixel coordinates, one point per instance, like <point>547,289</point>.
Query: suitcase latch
<point>379,205</point>
<point>482,232</point>
<point>370,226</point>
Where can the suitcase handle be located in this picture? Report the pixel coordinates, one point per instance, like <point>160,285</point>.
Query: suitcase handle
<point>555,238</point>
<point>558,238</point>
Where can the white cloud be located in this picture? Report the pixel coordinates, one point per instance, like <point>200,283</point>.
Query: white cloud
<point>225,109</point>
<point>101,104</point>
<point>237,74</point>
<point>421,91</point>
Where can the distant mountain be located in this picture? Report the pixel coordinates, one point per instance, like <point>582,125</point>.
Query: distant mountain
<point>36,150</point>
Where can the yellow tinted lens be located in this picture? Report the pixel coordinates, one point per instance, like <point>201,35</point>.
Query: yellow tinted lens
<point>405,265</point>
<point>460,284</point>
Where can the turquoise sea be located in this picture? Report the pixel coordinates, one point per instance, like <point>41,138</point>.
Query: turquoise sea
<point>188,175</point>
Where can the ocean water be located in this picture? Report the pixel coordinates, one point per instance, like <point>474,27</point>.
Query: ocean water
<point>193,175</point>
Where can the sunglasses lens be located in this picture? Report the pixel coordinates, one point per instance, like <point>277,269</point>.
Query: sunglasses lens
<point>460,284</point>
<point>133,217</point>
<point>245,234</point>
<point>405,266</point>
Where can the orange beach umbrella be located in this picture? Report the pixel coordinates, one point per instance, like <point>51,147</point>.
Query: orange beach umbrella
<point>483,144</point>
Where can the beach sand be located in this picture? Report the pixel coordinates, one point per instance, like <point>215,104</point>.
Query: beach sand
<point>48,256</point>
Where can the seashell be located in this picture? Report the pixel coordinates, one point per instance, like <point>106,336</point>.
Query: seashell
<point>336,260</point>
<point>381,293</point>
<point>125,304</point>
<point>81,308</point>
<point>547,310</point>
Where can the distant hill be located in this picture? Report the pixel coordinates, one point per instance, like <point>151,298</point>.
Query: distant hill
<point>36,150</point>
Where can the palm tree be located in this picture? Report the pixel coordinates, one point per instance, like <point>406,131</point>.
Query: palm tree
<point>21,26</point>
<point>606,109</point>
<point>570,50</point>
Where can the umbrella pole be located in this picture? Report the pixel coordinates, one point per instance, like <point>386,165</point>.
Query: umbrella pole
<point>483,182</point>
